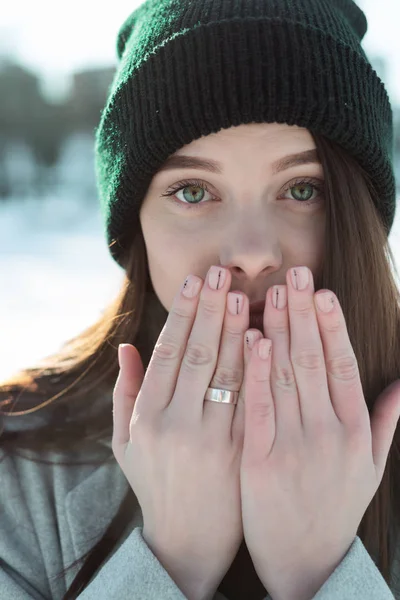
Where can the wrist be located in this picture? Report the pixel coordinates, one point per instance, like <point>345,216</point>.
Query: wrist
<point>300,583</point>
<point>190,576</point>
<point>192,585</point>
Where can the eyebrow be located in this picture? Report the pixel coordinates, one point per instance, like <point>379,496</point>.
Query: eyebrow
<point>181,161</point>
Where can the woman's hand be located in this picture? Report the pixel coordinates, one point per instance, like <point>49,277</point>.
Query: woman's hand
<point>312,458</point>
<point>181,454</point>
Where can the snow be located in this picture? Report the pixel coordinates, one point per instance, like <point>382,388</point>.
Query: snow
<point>56,276</point>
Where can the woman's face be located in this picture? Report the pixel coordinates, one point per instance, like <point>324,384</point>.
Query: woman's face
<point>251,219</point>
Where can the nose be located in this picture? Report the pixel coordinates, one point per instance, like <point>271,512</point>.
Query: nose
<point>250,249</point>
<point>251,271</point>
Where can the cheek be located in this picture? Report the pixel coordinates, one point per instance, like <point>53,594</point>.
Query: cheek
<point>307,234</point>
<point>171,257</point>
<point>303,245</point>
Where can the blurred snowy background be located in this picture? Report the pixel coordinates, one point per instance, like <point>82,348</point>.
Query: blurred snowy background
<point>56,63</point>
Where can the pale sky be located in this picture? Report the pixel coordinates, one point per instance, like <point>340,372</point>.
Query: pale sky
<point>55,38</point>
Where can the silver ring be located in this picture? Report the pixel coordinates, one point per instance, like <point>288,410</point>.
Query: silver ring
<point>221,396</point>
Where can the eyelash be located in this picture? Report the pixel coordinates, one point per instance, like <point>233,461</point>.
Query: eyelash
<point>181,185</point>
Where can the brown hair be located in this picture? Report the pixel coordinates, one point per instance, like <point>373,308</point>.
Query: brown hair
<point>356,265</point>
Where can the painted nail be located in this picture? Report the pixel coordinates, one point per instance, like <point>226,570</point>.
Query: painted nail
<point>264,349</point>
<point>235,303</point>
<point>191,287</point>
<point>300,278</point>
<point>279,296</point>
<point>251,337</point>
<point>216,278</point>
<point>325,302</point>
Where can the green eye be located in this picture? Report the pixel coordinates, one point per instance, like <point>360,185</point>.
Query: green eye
<point>306,191</point>
<point>197,196</point>
<point>193,193</point>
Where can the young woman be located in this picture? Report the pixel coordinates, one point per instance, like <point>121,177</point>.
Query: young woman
<point>244,165</point>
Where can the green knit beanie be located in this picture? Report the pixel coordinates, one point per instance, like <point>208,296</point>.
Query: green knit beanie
<point>188,68</point>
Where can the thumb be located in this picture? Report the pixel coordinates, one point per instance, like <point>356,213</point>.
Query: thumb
<point>126,390</point>
<point>385,416</point>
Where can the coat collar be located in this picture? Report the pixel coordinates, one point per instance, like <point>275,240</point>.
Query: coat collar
<point>93,503</point>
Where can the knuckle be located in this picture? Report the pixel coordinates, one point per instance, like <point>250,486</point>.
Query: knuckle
<point>232,336</point>
<point>344,368</point>
<point>209,308</point>
<point>182,314</point>
<point>227,378</point>
<point>302,311</point>
<point>197,355</point>
<point>309,360</point>
<point>261,376</point>
<point>279,328</point>
<point>334,324</point>
<point>284,377</point>
<point>166,351</point>
<point>262,410</point>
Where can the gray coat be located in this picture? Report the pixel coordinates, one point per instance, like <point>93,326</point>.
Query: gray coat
<point>51,515</point>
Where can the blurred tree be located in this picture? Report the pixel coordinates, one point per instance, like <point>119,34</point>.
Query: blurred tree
<point>25,115</point>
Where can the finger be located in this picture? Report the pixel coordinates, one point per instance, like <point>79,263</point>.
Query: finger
<point>283,381</point>
<point>306,351</point>
<point>250,338</point>
<point>344,382</point>
<point>125,392</point>
<point>162,372</point>
<point>201,354</point>
<point>259,432</point>
<point>229,371</point>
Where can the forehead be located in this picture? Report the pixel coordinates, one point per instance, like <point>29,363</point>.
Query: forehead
<point>182,161</point>
<point>251,132</point>
<point>274,146</point>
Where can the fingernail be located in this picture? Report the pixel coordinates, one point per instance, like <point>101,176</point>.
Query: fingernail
<point>325,302</point>
<point>191,287</point>
<point>300,278</point>
<point>264,349</point>
<point>235,303</point>
<point>216,278</point>
<point>120,354</point>
<point>251,337</point>
<point>279,297</point>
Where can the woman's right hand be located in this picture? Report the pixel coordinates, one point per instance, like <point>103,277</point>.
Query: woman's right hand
<point>181,454</point>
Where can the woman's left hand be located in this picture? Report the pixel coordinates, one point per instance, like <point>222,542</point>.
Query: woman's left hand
<point>312,458</point>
